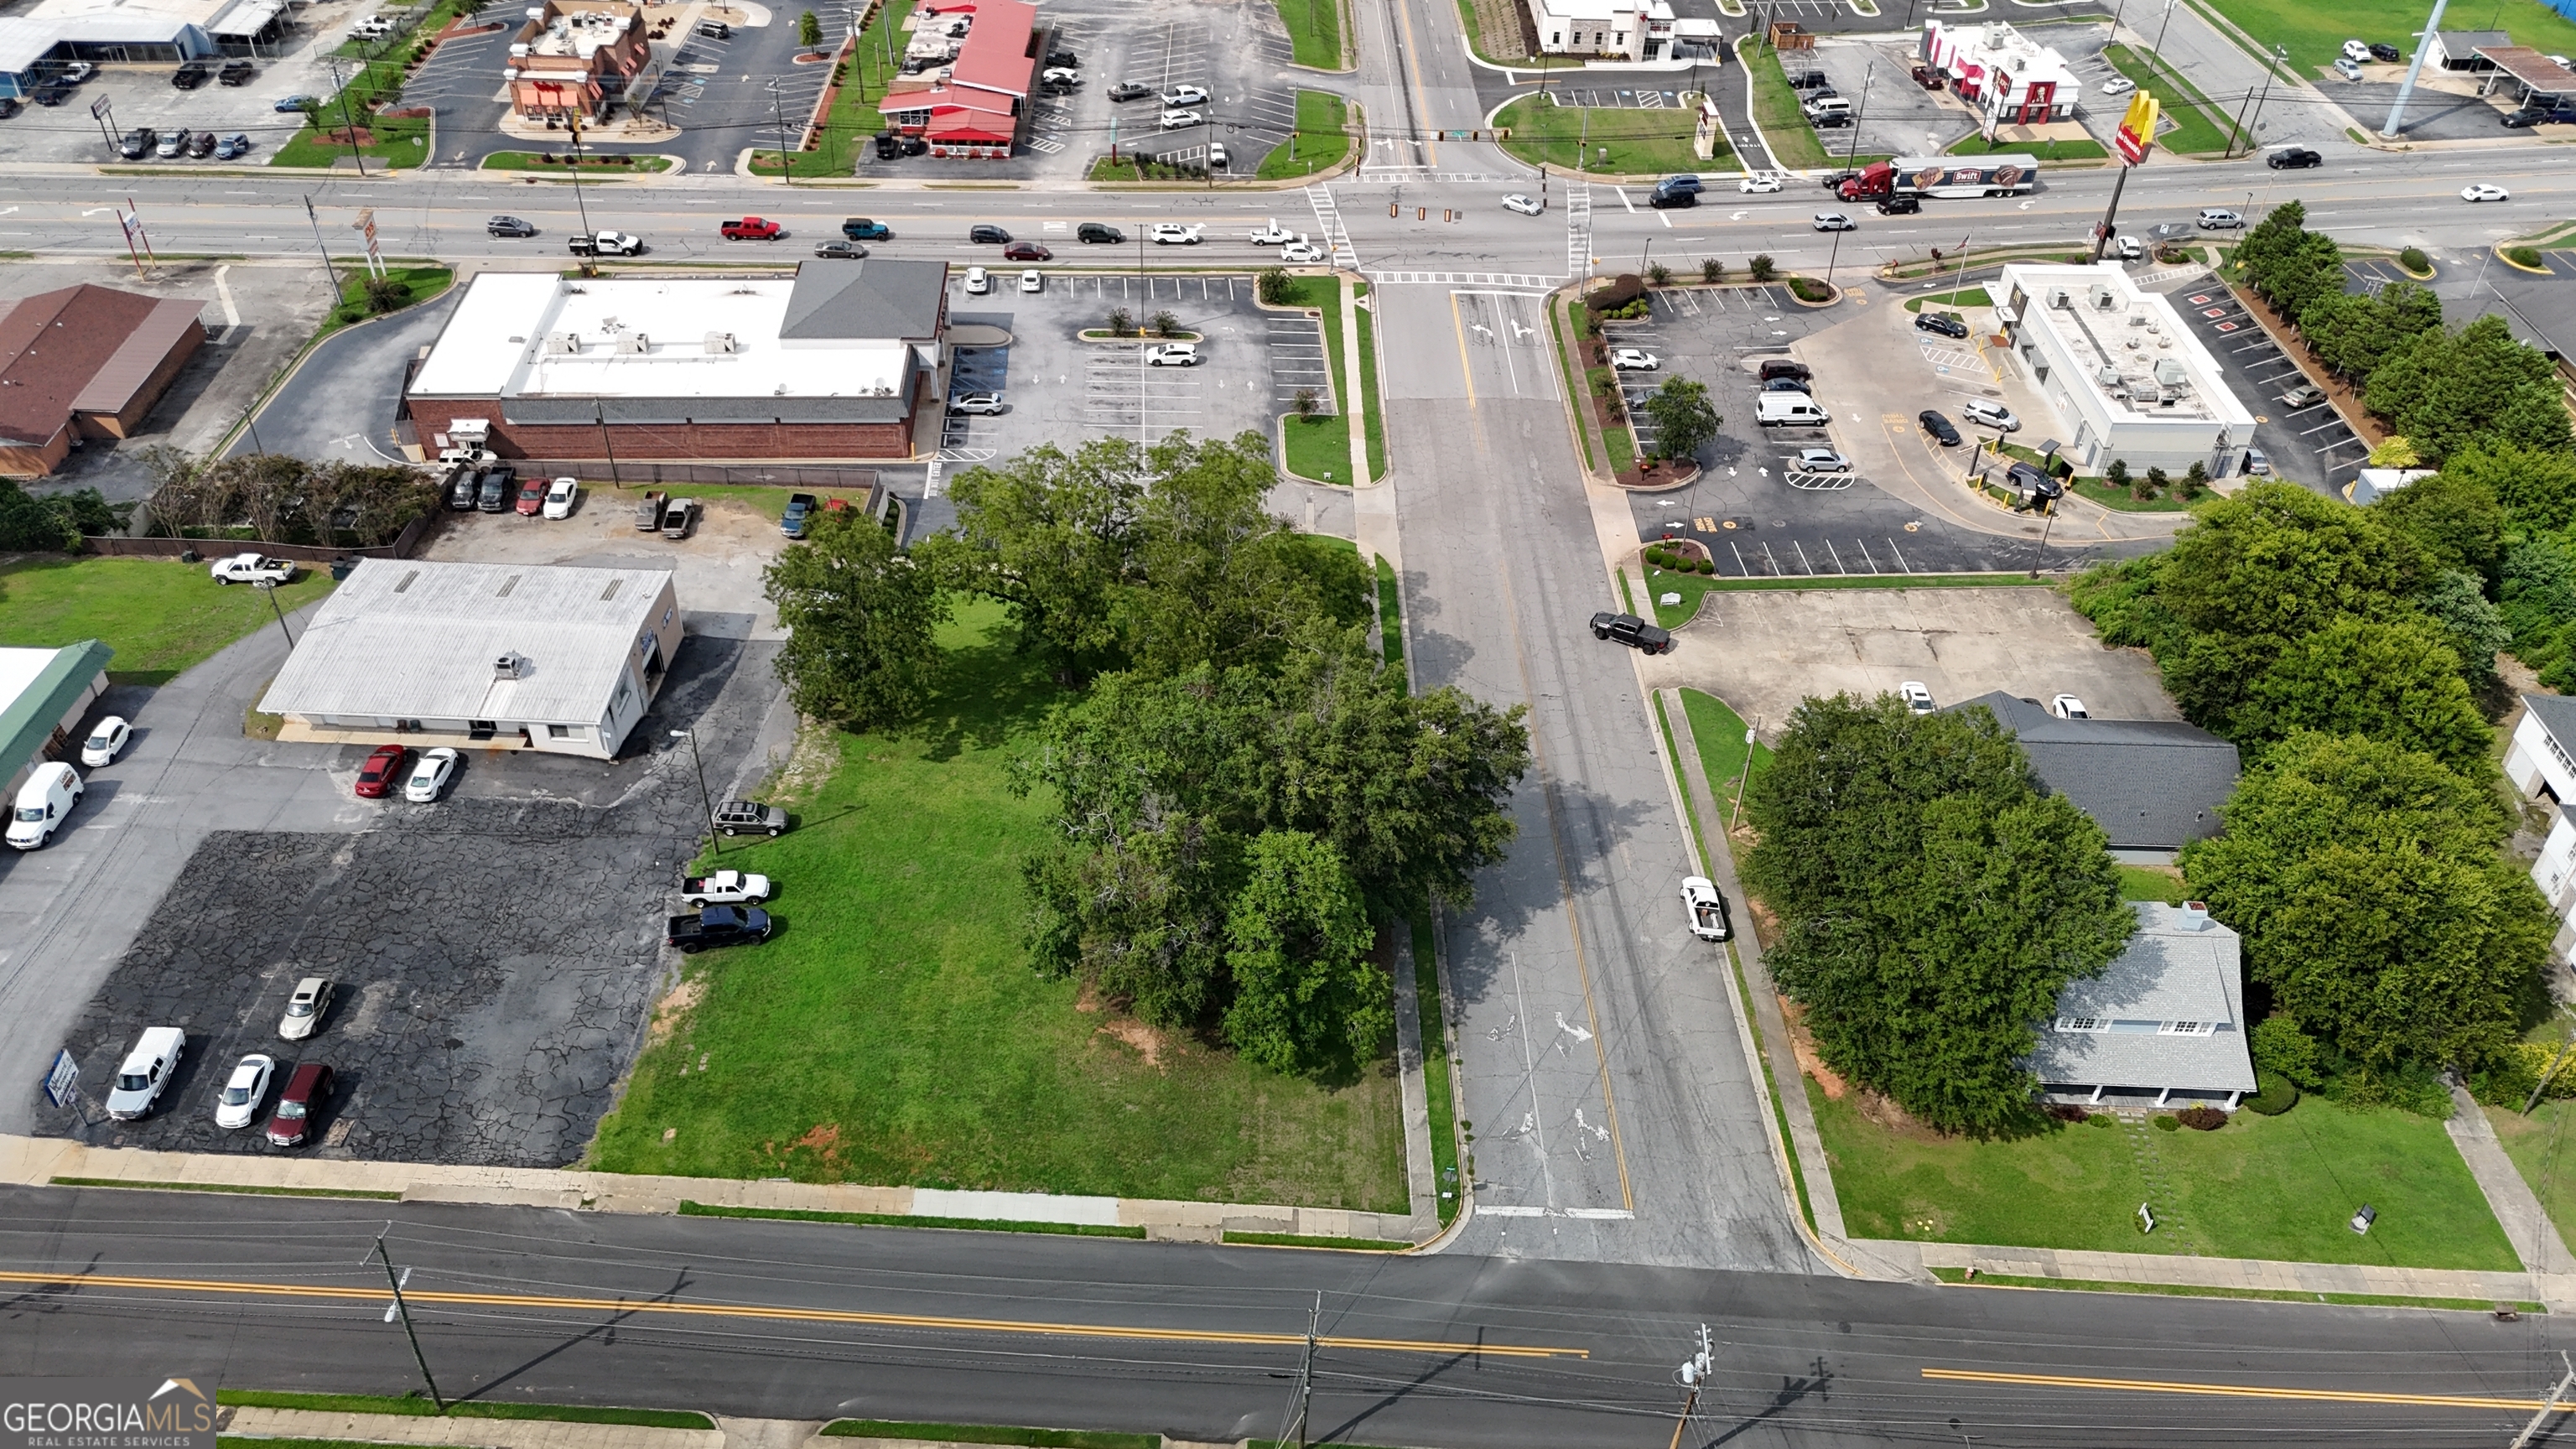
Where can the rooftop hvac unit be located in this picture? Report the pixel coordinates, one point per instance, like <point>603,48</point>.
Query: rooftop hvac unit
<point>563,343</point>
<point>2171,373</point>
<point>508,666</point>
<point>2107,375</point>
<point>634,342</point>
<point>509,72</point>
<point>520,52</point>
<point>2057,298</point>
<point>885,389</point>
<point>719,342</point>
<point>2139,318</point>
<point>536,12</point>
<point>2104,299</point>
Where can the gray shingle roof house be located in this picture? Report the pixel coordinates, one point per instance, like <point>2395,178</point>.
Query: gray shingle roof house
<point>2164,1020</point>
<point>2150,784</point>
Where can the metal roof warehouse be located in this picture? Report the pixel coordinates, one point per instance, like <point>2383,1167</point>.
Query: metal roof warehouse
<point>527,655</point>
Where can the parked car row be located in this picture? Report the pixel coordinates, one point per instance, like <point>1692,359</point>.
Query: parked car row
<point>422,781</point>
<point>144,142</point>
<point>148,1067</point>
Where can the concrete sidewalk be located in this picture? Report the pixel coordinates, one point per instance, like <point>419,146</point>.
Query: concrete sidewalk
<point>242,1422</point>
<point>39,1161</point>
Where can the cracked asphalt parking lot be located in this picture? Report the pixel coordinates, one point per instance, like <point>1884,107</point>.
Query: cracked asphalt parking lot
<point>495,953</point>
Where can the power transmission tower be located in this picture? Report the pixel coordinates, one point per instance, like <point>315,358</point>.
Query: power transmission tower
<point>2548,1405</point>
<point>405,1310</point>
<point>1693,1373</point>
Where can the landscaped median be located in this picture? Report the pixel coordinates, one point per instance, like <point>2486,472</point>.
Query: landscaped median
<point>1321,141</point>
<point>1793,142</point>
<point>858,82</point>
<point>1605,141</point>
<point>1317,445</point>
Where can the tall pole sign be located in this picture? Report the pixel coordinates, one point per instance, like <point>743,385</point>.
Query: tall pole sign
<point>2137,135</point>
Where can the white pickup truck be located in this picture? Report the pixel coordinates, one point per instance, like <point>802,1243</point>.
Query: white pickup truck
<point>607,243</point>
<point>1705,908</point>
<point>724,888</point>
<point>251,568</point>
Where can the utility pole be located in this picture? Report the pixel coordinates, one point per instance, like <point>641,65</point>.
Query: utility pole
<point>1747,776</point>
<point>715,837</point>
<point>354,153</point>
<point>2281,62</point>
<point>269,587</point>
<point>323,247</point>
<point>786,163</point>
<point>590,260</point>
<point>2549,1404</point>
<point>408,1332</point>
<point>2397,111</point>
<point>1694,1372</point>
<point>1305,1378</point>
<point>2111,213</point>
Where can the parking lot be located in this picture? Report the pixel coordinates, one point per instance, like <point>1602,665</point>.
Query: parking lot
<point>1061,388</point>
<point>1900,118</point>
<point>1758,511</point>
<point>2311,445</point>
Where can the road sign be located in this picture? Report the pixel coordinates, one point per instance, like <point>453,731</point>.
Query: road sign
<point>62,1079</point>
<point>98,108</point>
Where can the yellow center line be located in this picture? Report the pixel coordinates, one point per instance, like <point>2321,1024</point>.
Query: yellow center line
<point>812,1315</point>
<point>2237,1391</point>
<point>1466,364</point>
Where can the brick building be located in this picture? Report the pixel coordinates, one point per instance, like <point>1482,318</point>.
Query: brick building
<point>85,362</point>
<point>575,56</point>
<point>837,364</point>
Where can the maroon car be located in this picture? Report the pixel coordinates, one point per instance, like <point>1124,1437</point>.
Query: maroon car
<point>377,776</point>
<point>291,1125</point>
<point>532,497</point>
<point>1026,252</point>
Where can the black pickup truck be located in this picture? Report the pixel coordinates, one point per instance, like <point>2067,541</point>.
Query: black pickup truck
<point>717,926</point>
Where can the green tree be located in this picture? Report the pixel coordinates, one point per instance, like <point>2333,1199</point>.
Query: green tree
<point>1934,902</point>
<point>2269,240</point>
<point>1274,286</point>
<point>1053,536</point>
<point>2448,390</point>
<point>860,618</point>
<point>2453,519</point>
<point>2396,682</point>
<point>809,30</point>
<point>2312,268</point>
<point>1307,998</point>
<point>2536,487</point>
<point>2280,560</point>
<point>2470,624</point>
<point>1218,579</point>
<point>1683,417</point>
<point>2374,900</point>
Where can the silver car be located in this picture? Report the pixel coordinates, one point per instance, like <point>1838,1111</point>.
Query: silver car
<point>304,1009</point>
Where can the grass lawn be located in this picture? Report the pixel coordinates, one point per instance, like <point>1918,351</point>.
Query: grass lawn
<point>1719,732</point>
<point>2543,1145</point>
<point>1321,139</point>
<point>1976,145</point>
<point>2120,498</point>
<point>391,140</point>
<point>853,119</point>
<point>159,615</point>
<point>425,281</point>
<point>1794,143</point>
<point>893,1032</point>
<point>2315,34</point>
<point>1601,382</point>
<point>1638,142</point>
<point>2151,883</point>
<point>2260,1187</point>
<point>615,163</point>
<point>1319,448</point>
<point>1314,31</point>
<point>1660,582</point>
<point>1964,297</point>
<point>2197,125</point>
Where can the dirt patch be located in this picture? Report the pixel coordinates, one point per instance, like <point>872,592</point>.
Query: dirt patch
<point>1804,1048</point>
<point>1128,1031</point>
<point>668,1012</point>
<point>823,1139</point>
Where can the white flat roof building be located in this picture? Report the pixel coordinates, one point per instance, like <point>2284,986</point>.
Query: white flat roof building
<point>539,656</point>
<point>1631,29</point>
<point>2125,377</point>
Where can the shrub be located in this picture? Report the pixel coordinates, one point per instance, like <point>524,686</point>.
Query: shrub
<point>1658,557</point>
<point>1762,269</point>
<point>2102,1119</point>
<point>1808,289</point>
<point>1712,270</point>
<point>2194,482</point>
<point>2274,1094</point>
<point>1708,566</point>
<point>1122,323</point>
<point>2065,1111</point>
<point>1659,274</point>
<point>2166,1122</point>
<point>2414,260</point>
<point>1273,286</point>
<point>2117,475</point>
<point>1165,324</point>
<point>387,294</point>
<point>2523,256</point>
<point>2201,1119</point>
<point>2285,1051</point>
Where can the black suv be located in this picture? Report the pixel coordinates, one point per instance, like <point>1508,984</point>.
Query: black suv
<point>1938,427</point>
<point>497,490</point>
<point>889,146</point>
<point>1666,200</point>
<point>1941,322</point>
<point>1094,231</point>
<point>236,73</point>
<point>192,75</point>
<point>1783,367</point>
<point>463,486</point>
<point>1632,631</point>
<point>988,234</point>
<point>138,143</point>
<point>1899,205</point>
<point>508,226</point>
<point>2293,158</point>
<point>2385,53</point>
<point>1062,58</point>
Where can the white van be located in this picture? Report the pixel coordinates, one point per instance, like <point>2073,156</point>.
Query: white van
<point>1788,410</point>
<point>44,803</point>
<point>1830,106</point>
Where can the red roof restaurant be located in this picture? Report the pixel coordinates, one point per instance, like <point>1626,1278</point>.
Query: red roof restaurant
<point>973,107</point>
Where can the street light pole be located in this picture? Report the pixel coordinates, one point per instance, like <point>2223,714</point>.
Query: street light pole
<point>269,587</point>
<point>354,153</point>
<point>786,163</point>
<point>715,837</point>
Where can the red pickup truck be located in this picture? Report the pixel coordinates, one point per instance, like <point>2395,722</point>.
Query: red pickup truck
<point>752,228</point>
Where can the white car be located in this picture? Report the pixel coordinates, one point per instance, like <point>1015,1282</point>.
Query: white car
<point>1835,221</point>
<point>106,741</point>
<point>1063,75</point>
<point>2118,85</point>
<point>724,888</point>
<point>978,281</point>
<point>1172,354</point>
<point>1030,281</point>
<point>1301,250</point>
<point>1760,181</point>
<point>2067,706</point>
<point>1525,205</point>
<point>251,568</point>
<point>1705,909</point>
<point>1917,696</point>
<point>1990,414</point>
<point>430,777</point>
<point>2356,51</point>
<point>1179,120</point>
<point>145,1071</point>
<point>304,1009</point>
<point>1629,359</point>
<point>2485,191</point>
<point>1179,96</point>
<point>560,496</point>
<point>1822,460</point>
<point>1173,234</point>
<point>238,1107</point>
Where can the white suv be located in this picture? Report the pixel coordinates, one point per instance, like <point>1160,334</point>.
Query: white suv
<point>1172,354</point>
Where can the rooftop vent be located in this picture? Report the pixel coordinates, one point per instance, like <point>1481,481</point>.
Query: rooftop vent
<point>509,666</point>
<point>2108,376</point>
<point>564,343</point>
<point>634,343</point>
<point>2171,373</point>
<point>2195,916</point>
<point>720,342</point>
<point>507,585</point>
<point>610,592</point>
<point>2057,297</point>
<point>2104,299</point>
<point>407,580</point>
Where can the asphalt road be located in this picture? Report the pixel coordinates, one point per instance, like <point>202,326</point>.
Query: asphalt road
<point>805,1321</point>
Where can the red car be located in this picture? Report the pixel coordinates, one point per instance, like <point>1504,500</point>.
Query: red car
<point>752,228</point>
<point>532,497</point>
<point>1026,252</point>
<point>291,1125</point>
<point>377,776</point>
